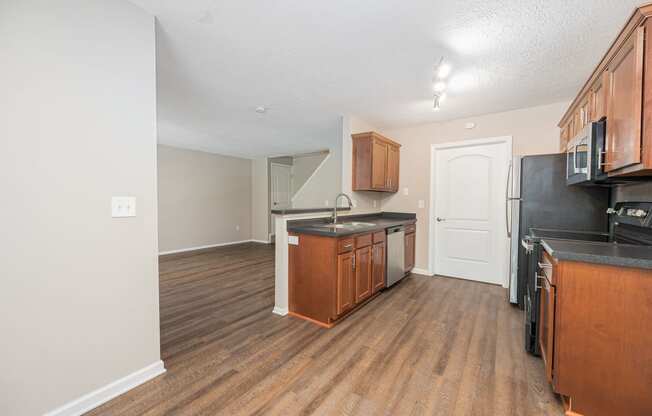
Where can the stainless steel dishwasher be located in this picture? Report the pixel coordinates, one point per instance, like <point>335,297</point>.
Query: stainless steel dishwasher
<point>395,254</point>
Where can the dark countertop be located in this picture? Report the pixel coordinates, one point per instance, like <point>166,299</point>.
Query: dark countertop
<point>307,210</point>
<point>537,234</point>
<point>625,255</point>
<point>381,221</point>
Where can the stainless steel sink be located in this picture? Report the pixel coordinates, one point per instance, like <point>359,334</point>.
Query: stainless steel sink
<point>344,225</point>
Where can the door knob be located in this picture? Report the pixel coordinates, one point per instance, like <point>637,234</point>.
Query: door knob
<point>440,219</point>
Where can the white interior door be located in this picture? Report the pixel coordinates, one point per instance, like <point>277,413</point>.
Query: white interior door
<point>281,184</point>
<point>469,239</point>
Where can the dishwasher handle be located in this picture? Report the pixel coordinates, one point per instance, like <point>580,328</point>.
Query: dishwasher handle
<point>396,229</point>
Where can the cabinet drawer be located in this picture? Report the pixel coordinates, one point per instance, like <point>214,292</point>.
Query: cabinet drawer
<point>344,245</point>
<point>410,228</point>
<point>379,237</point>
<point>363,240</point>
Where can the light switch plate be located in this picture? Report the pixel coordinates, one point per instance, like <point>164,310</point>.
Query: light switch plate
<point>422,203</point>
<point>293,240</point>
<point>123,206</point>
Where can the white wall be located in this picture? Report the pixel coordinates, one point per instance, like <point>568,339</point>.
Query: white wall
<point>79,295</point>
<point>534,131</point>
<point>204,199</point>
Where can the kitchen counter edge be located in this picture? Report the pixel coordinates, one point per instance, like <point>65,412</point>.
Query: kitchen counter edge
<point>623,255</point>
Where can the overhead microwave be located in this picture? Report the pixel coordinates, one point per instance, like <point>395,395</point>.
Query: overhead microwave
<point>585,155</point>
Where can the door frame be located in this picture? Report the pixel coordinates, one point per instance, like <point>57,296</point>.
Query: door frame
<point>432,252</point>
<point>270,216</point>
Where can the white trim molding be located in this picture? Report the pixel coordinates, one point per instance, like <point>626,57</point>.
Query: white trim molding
<point>230,243</point>
<point>102,395</point>
<point>423,272</point>
<point>280,311</point>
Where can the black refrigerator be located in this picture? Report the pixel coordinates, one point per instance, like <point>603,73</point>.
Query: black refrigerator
<point>538,197</point>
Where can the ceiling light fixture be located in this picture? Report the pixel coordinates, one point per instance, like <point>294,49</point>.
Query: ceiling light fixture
<point>260,110</point>
<point>442,70</point>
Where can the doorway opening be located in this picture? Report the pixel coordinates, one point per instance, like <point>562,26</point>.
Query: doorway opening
<point>290,177</point>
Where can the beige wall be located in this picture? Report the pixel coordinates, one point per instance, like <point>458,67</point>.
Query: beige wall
<point>324,185</point>
<point>303,166</point>
<point>79,295</point>
<point>259,200</point>
<point>534,131</point>
<point>202,198</point>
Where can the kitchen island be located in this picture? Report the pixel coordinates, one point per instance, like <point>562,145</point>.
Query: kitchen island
<point>306,222</point>
<point>334,269</point>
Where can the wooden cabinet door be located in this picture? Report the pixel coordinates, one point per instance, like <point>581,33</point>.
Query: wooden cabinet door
<point>624,105</point>
<point>564,136</point>
<point>583,112</point>
<point>409,251</point>
<point>546,323</point>
<point>598,98</point>
<point>362,267</point>
<point>379,156</point>
<point>392,168</point>
<point>345,283</point>
<point>378,267</point>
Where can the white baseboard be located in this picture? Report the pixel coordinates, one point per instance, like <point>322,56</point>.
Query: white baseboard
<point>280,311</point>
<point>424,272</point>
<point>260,241</point>
<point>102,395</point>
<point>184,250</point>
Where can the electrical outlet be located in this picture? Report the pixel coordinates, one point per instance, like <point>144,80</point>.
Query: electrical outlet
<point>237,228</point>
<point>375,203</point>
<point>422,203</point>
<point>123,206</point>
<point>405,191</point>
<point>326,203</point>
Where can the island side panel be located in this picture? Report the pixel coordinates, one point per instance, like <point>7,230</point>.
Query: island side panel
<point>312,277</point>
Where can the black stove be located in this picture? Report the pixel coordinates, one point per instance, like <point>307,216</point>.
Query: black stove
<point>630,223</point>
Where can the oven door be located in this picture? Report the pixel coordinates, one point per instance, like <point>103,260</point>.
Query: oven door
<point>579,157</point>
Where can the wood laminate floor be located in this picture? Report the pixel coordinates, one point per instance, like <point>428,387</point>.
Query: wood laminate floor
<point>429,346</point>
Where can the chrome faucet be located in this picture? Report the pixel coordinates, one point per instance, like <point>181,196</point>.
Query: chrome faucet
<point>335,208</point>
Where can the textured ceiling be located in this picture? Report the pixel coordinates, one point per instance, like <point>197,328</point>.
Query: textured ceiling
<point>311,62</point>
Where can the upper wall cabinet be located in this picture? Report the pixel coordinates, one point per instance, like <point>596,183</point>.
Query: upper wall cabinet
<point>620,90</point>
<point>375,163</point>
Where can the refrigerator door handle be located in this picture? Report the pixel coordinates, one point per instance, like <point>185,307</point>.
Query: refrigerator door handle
<point>508,199</point>
<point>509,172</point>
